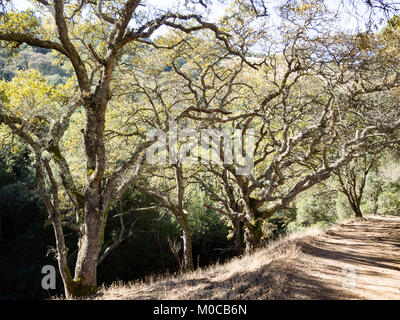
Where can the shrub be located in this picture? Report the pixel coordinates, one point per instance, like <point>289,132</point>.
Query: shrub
<point>389,203</point>
<point>314,207</point>
<point>342,207</point>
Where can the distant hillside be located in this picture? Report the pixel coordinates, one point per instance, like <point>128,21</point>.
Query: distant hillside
<point>26,57</point>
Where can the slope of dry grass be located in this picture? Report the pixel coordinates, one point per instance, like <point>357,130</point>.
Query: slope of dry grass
<point>309,265</point>
<point>261,275</point>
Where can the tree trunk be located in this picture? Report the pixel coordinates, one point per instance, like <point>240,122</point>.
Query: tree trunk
<point>358,213</point>
<point>61,254</point>
<point>356,209</point>
<point>238,234</point>
<point>187,244</point>
<point>253,235</point>
<point>84,282</point>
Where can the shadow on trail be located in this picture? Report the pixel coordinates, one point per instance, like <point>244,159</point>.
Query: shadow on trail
<point>361,246</point>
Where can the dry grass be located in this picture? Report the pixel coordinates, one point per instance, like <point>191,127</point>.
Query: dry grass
<point>261,275</point>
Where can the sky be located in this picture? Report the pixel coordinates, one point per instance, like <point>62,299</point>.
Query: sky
<point>161,4</point>
<point>22,4</point>
<point>349,21</point>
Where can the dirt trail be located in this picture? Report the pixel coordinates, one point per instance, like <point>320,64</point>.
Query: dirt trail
<point>356,260</point>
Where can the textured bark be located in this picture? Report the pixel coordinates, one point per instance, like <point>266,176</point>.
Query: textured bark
<point>182,217</point>
<point>86,263</point>
<point>253,235</point>
<point>238,234</point>
<point>253,223</point>
<point>187,244</point>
